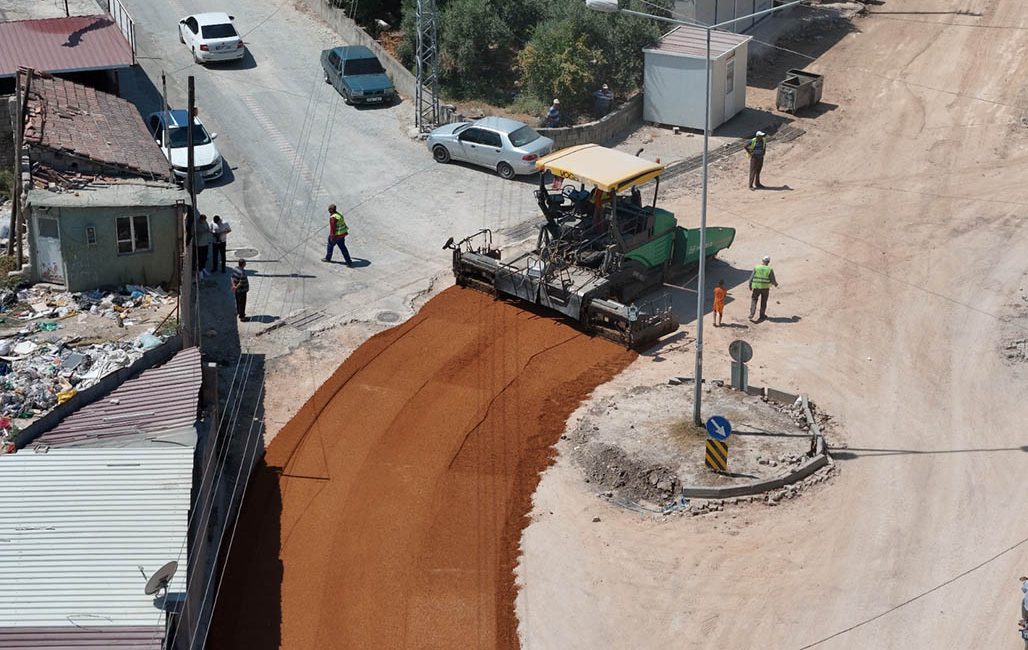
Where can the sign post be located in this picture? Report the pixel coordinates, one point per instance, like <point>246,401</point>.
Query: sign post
<point>741,352</point>
<point>716,456</point>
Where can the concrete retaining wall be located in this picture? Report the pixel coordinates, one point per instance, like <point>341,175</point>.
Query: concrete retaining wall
<point>603,131</point>
<point>351,32</point>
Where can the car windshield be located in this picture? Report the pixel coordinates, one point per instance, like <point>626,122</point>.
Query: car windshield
<point>363,66</point>
<point>523,136</point>
<point>179,136</point>
<point>225,30</point>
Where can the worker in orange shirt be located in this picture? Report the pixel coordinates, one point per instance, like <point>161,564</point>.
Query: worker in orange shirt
<point>719,303</point>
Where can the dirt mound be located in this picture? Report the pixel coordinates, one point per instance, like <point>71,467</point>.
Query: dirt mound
<point>388,512</point>
<point>613,468</point>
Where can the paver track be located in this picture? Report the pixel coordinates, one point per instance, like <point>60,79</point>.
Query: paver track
<point>388,512</point>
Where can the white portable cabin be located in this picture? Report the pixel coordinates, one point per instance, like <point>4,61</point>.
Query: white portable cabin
<point>675,76</point>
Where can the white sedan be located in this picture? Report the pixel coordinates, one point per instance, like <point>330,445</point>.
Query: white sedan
<point>211,37</point>
<point>206,157</point>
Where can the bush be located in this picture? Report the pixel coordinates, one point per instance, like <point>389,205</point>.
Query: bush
<point>558,62</point>
<point>496,50</point>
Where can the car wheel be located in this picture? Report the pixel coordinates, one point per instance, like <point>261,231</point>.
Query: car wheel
<point>505,171</point>
<point>441,154</point>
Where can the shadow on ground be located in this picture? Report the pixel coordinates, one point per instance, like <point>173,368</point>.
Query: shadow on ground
<point>817,33</point>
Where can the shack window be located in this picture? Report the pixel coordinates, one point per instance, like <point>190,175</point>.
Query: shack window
<point>133,234</point>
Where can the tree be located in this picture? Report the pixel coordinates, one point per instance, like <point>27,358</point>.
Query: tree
<point>560,62</point>
<point>476,49</point>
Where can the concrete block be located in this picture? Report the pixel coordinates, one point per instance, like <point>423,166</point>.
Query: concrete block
<point>781,397</point>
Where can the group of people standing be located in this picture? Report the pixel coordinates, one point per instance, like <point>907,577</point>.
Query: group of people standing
<point>210,236</point>
<point>213,236</point>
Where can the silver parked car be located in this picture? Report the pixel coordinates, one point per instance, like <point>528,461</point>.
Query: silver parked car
<point>508,146</point>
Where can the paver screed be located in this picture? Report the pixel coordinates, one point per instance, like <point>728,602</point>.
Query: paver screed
<point>388,512</point>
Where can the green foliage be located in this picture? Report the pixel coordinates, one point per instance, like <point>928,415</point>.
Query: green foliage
<point>476,48</point>
<point>559,62</point>
<point>536,50</point>
<point>364,12</point>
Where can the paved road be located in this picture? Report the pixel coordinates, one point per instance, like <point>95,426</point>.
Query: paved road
<point>295,146</point>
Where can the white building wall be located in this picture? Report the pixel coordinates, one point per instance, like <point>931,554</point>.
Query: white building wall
<point>673,90</point>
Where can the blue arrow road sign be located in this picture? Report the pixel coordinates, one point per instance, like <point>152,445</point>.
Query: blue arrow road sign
<point>718,428</point>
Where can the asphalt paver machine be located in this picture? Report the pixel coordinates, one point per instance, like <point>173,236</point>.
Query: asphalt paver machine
<point>601,249</point>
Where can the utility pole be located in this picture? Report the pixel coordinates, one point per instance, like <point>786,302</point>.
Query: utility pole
<point>67,13</point>
<point>190,151</point>
<point>164,119</point>
<point>426,89</point>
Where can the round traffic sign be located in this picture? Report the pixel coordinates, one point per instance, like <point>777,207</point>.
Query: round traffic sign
<point>718,428</point>
<point>740,351</point>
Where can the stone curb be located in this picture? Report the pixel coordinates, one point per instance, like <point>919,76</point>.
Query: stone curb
<point>819,460</point>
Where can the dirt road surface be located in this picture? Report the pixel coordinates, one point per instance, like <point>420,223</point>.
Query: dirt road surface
<point>388,512</point>
<point>901,245</point>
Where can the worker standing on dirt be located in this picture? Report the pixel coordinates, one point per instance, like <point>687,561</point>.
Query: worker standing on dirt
<point>553,115</point>
<point>337,232</point>
<point>719,303</point>
<point>756,148</point>
<point>761,280</point>
<point>240,287</point>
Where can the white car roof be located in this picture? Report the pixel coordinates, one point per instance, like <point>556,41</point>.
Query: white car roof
<point>212,18</point>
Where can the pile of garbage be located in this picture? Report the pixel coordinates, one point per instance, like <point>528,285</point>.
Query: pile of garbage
<point>35,377</point>
<point>39,302</point>
<point>40,369</point>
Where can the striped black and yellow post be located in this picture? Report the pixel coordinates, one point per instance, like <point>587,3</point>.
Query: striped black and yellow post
<point>717,455</point>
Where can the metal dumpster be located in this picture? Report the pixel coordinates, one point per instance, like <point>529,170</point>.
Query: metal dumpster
<point>799,90</point>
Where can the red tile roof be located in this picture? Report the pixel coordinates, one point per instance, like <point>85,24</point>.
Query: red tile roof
<point>74,44</point>
<point>67,117</point>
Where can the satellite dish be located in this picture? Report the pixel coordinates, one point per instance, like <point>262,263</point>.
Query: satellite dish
<point>160,579</point>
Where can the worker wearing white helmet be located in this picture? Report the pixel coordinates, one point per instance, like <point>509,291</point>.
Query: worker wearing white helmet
<point>755,149</point>
<point>553,115</point>
<point>761,280</point>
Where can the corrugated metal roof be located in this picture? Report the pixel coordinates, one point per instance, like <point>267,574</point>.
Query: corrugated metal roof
<point>685,40</point>
<point>76,525</point>
<point>160,400</point>
<point>54,638</point>
<point>74,44</point>
<point>68,117</point>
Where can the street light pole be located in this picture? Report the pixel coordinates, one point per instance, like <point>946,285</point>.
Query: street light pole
<point>611,6</point>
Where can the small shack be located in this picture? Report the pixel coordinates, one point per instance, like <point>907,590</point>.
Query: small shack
<point>675,76</point>
<point>100,208</point>
<point>111,235</point>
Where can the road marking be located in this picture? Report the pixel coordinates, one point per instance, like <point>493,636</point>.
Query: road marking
<point>282,143</point>
<point>717,455</point>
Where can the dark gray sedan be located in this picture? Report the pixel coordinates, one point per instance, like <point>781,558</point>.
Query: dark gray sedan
<point>507,146</point>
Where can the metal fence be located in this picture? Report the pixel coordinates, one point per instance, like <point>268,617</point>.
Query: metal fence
<point>125,23</point>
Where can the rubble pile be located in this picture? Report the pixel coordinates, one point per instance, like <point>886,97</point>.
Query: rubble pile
<point>39,302</point>
<point>40,369</point>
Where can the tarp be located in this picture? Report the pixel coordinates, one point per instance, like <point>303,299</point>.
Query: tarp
<point>607,169</point>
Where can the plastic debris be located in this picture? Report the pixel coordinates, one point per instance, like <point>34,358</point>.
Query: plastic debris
<point>40,369</point>
<point>148,341</point>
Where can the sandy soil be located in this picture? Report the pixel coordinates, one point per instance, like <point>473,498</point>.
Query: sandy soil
<point>900,245</point>
<point>387,512</point>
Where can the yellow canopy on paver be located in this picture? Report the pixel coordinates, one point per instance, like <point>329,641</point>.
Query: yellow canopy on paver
<point>607,169</point>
